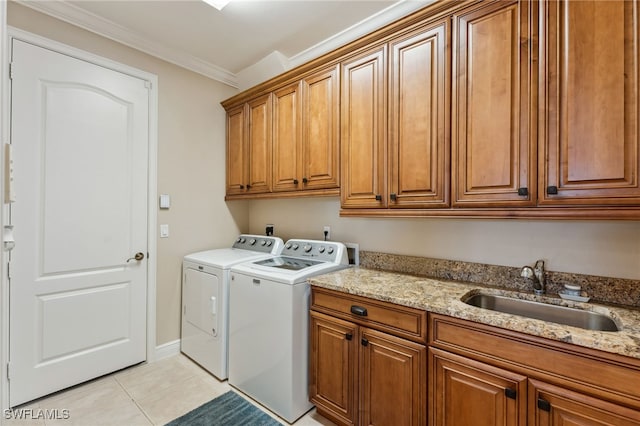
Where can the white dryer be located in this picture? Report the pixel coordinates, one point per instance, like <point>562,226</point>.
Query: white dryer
<point>205,298</point>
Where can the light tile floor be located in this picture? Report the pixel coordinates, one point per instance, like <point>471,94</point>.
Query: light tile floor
<point>146,394</point>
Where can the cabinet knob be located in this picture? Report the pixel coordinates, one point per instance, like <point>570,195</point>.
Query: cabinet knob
<point>552,190</point>
<point>364,342</point>
<point>305,180</point>
<point>393,197</point>
<point>510,393</point>
<point>348,336</point>
<point>295,181</point>
<point>241,186</point>
<point>523,191</point>
<point>378,197</point>
<point>544,405</point>
<point>248,186</point>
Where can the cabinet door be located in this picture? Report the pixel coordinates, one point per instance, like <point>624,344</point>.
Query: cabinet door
<point>259,145</point>
<point>464,392</point>
<point>554,406</point>
<point>287,153</point>
<point>333,369</point>
<point>589,106</point>
<point>419,119</point>
<point>393,380</point>
<point>237,155</point>
<point>320,147</point>
<point>493,139</point>
<point>363,141</point>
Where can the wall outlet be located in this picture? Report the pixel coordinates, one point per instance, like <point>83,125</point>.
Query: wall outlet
<point>268,230</point>
<point>327,233</point>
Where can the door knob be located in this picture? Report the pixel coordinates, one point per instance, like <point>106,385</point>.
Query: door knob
<point>138,257</point>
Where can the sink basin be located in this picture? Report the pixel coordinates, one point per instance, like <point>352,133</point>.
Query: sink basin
<point>542,311</point>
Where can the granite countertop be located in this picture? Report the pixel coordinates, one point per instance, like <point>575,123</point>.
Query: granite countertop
<point>444,297</point>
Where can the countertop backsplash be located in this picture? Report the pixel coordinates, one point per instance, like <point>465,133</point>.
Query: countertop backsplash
<point>617,291</point>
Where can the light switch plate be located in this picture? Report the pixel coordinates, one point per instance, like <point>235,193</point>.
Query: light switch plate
<point>164,231</point>
<point>165,201</point>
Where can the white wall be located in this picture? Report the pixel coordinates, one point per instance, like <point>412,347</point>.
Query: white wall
<point>604,248</point>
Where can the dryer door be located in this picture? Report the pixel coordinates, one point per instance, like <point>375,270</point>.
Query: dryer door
<point>201,300</point>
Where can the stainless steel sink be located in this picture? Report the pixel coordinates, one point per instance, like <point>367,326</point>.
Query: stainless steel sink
<point>542,311</point>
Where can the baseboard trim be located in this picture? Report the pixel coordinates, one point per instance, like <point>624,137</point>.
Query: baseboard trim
<point>167,350</point>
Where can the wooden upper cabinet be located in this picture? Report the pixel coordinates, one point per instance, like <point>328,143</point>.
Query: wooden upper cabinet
<point>590,147</point>
<point>259,145</point>
<point>237,155</point>
<point>493,131</point>
<point>419,118</point>
<point>287,141</point>
<point>364,130</point>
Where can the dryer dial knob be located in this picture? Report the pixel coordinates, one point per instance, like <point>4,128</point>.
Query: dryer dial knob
<point>269,242</point>
<point>330,250</point>
<point>252,241</point>
<point>287,246</point>
<point>263,242</point>
<point>295,246</point>
<point>242,240</point>
<point>307,248</point>
<point>321,249</point>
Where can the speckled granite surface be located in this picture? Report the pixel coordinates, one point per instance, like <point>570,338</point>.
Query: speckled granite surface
<point>444,297</point>
<point>601,289</point>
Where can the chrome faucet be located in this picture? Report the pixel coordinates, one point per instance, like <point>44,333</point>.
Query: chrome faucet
<point>536,274</point>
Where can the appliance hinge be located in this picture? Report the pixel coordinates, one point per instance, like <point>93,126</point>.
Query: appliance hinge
<point>11,70</point>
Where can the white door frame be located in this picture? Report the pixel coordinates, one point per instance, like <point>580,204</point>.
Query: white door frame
<point>5,39</point>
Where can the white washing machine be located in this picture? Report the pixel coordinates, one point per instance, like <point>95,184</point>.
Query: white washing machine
<point>205,298</point>
<point>269,324</point>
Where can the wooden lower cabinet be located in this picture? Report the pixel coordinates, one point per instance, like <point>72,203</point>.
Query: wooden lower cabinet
<point>361,376</point>
<point>465,392</point>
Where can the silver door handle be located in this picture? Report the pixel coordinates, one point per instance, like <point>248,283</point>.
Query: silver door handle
<point>138,257</point>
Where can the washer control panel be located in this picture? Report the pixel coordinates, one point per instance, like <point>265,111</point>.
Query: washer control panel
<point>326,251</point>
<point>260,243</point>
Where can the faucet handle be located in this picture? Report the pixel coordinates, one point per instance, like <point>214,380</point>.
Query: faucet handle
<point>526,272</point>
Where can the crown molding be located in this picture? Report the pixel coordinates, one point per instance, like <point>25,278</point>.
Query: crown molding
<point>386,16</point>
<point>74,15</point>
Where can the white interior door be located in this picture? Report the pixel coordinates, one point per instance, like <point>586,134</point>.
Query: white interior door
<point>80,150</point>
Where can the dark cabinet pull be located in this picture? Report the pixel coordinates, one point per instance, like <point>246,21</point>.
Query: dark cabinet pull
<point>248,186</point>
<point>544,405</point>
<point>241,186</point>
<point>393,197</point>
<point>348,336</point>
<point>378,197</point>
<point>552,190</point>
<point>510,393</point>
<point>305,180</point>
<point>295,181</point>
<point>359,310</point>
<point>523,191</point>
<point>364,342</point>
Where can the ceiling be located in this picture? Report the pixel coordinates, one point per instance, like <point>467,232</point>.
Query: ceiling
<point>221,44</point>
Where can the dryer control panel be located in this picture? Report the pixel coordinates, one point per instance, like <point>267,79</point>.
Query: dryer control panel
<point>259,243</point>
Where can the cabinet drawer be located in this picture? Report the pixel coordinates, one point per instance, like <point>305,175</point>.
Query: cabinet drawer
<point>399,320</point>
<point>607,376</point>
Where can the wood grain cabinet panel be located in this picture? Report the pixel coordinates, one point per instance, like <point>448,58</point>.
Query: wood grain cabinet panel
<point>590,146</point>
<point>363,134</point>
<point>321,129</point>
<point>493,135</point>
<point>419,118</point>
<point>464,392</point>
<point>237,155</point>
<point>287,142</point>
<point>333,367</point>
<point>259,145</point>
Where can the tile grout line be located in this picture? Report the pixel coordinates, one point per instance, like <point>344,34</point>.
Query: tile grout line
<point>144,413</point>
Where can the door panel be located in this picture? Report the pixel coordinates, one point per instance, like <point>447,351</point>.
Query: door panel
<point>259,145</point>
<point>237,157</point>
<point>80,142</point>
<point>286,139</point>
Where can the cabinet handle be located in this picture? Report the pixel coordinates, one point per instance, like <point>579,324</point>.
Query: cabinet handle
<point>359,310</point>
<point>295,181</point>
<point>248,186</point>
<point>364,342</point>
<point>544,405</point>
<point>393,197</point>
<point>523,191</point>
<point>348,336</point>
<point>510,393</point>
<point>378,197</point>
<point>241,186</point>
<point>552,190</point>
<point>305,180</point>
